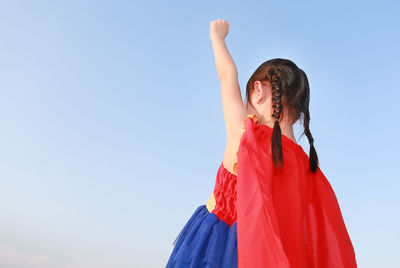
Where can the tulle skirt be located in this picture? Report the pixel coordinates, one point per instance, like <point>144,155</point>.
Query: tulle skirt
<point>205,241</point>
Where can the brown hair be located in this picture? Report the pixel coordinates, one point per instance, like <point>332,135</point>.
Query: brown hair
<point>290,88</point>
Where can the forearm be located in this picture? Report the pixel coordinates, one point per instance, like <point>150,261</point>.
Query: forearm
<point>225,65</point>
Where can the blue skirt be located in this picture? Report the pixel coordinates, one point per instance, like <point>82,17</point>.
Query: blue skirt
<point>205,241</point>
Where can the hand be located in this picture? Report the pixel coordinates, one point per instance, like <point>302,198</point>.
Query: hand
<point>219,29</point>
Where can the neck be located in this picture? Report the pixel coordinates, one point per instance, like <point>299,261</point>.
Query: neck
<point>286,125</point>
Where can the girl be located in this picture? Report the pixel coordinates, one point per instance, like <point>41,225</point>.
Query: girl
<point>271,205</point>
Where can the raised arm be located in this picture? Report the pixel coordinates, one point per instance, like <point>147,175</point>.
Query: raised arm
<point>232,103</point>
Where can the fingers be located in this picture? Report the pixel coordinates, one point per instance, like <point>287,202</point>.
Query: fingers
<point>221,21</point>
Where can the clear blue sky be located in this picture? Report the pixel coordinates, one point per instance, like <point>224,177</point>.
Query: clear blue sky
<point>112,127</point>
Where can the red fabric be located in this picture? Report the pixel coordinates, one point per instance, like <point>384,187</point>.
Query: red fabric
<point>225,195</point>
<point>288,217</point>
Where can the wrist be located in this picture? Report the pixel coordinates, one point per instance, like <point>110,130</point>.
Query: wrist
<point>214,37</point>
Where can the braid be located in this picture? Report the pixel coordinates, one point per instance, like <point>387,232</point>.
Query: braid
<point>314,164</point>
<point>277,154</point>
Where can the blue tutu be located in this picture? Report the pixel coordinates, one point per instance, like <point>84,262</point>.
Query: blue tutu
<point>205,241</point>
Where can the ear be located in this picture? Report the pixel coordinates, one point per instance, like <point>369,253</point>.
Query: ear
<point>259,92</point>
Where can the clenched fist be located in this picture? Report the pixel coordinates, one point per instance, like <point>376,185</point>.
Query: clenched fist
<point>219,29</point>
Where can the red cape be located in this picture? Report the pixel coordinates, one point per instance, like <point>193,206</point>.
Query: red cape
<point>288,217</point>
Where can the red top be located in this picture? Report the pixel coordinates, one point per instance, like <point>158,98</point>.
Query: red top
<point>286,217</point>
<point>225,195</point>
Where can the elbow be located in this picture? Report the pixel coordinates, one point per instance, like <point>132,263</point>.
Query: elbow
<point>228,74</point>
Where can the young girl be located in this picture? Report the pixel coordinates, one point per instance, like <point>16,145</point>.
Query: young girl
<point>271,206</point>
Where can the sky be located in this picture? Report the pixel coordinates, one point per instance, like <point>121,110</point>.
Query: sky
<point>112,127</point>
